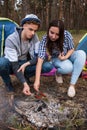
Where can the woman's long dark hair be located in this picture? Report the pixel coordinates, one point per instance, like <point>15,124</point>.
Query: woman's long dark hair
<point>60,40</point>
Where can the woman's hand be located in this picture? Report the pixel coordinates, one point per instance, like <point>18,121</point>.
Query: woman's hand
<point>36,86</point>
<point>62,56</point>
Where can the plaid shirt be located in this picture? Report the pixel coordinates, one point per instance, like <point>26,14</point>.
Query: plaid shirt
<point>67,45</point>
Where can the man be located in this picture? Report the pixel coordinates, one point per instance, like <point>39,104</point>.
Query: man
<point>20,54</point>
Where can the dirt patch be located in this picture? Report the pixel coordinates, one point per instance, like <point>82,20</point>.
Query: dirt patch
<point>57,92</point>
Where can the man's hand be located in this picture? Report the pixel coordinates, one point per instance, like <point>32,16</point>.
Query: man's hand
<point>22,67</point>
<point>26,89</point>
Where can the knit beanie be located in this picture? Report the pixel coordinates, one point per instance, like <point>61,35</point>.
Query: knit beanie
<point>30,17</point>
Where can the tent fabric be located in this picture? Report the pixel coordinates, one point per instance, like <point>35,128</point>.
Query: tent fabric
<point>85,66</point>
<point>84,72</point>
<point>7,27</point>
<point>51,73</point>
<point>82,45</point>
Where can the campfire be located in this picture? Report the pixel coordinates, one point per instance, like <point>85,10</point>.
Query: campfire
<point>47,112</point>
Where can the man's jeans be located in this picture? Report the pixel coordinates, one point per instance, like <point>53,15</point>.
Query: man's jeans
<point>6,70</point>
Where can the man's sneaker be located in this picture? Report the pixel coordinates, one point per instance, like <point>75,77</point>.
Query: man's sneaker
<point>71,91</point>
<point>59,79</point>
<point>9,87</point>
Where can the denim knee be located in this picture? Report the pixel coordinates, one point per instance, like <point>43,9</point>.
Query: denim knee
<point>63,67</point>
<point>81,54</point>
<point>66,69</point>
<point>30,71</point>
<point>47,67</point>
<point>3,63</point>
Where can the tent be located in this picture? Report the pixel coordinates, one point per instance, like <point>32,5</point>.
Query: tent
<point>7,26</point>
<point>83,44</point>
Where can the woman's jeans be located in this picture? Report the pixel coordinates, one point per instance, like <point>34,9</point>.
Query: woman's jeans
<point>6,70</point>
<point>73,65</point>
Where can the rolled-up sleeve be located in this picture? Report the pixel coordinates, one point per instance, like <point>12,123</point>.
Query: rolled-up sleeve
<point>68,42</point>
<point>42,48</point>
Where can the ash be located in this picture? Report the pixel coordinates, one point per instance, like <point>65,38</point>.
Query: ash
<point>46,112</point>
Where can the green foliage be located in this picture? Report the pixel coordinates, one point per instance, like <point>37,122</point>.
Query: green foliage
<point>41,34</point>
<point>78,32</point>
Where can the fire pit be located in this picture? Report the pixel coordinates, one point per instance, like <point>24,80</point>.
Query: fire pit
<point>48,112</point>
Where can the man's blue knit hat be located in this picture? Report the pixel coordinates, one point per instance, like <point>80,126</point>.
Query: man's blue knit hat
<point>30,17</point>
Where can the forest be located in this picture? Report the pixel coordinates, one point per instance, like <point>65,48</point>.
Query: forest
<point>55,110</point>
<point>72,12</point>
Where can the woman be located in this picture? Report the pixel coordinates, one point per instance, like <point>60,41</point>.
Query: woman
<point>58,46</point>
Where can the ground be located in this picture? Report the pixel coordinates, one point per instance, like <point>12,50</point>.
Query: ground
<point>48,85</point>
